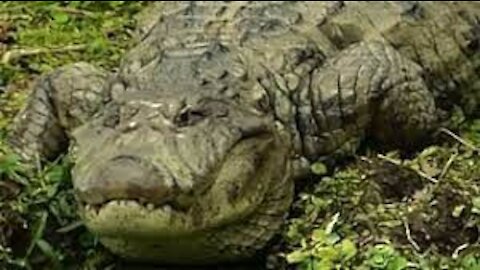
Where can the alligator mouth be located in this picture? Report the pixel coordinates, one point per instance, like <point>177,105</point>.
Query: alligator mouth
<point>124,218</point>
<point>96,208</point>
<point>165,211</point>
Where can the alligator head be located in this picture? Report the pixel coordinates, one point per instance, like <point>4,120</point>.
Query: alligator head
<point>181,175</point>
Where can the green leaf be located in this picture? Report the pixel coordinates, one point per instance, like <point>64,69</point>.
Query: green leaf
<point>397,263</point>
<point>116,3</point>
<point>319,236</point>
<point>379,256</point>
<point>293,234</point>
<point>98,46</point>
<point>323,264</point>
<point>469,262</point>
<point>320,203</point>
<point>333,238</point>
<point>60,17</point>
<point>319,168</point>
<point>457,211</point>
<point>328,253</point>
<point>56,174</point>
<point>297,256</point>
<point>476,205</point>
<point>38,231</point>
<point>9,164</point>
<point>348,249</point>
<point>46,248</point>
<point>378,261</point>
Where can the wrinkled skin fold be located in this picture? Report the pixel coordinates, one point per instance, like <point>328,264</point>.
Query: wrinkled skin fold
<point>189,152</point>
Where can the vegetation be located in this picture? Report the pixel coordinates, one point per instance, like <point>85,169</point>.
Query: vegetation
<point>384,212</point>
<point>39,227</point>
<point>376,212</point>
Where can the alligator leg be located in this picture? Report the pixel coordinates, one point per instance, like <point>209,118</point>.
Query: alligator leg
<point>404,113</point>
<point>370,90</point>
<point>60,101</point>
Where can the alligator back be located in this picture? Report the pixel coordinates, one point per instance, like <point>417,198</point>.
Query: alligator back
<point>279,44</point>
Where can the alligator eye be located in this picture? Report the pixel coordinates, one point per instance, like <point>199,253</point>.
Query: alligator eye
<point>190,117</point>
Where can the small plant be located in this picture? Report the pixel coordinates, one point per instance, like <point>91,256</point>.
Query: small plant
<point>324,250</point>
<point>11,168</point>
<point>471,262</point>
<point>385,257</point>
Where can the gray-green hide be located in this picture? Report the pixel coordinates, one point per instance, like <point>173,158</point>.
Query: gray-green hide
<point>188,153</point>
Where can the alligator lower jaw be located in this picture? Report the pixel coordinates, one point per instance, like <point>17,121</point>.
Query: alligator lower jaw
<point>97,208</point>
<point>160,235</point>
<point>131,218</point>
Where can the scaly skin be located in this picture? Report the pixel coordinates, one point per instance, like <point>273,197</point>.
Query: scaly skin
<point>189,153</point>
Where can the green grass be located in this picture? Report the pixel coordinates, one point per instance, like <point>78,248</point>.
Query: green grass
<point>39,225</point>
<point>375,213</point>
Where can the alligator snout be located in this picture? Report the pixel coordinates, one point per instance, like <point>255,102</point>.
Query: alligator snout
<point>127,178</point>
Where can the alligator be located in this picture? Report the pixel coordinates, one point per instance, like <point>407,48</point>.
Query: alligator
<point>189,152</point>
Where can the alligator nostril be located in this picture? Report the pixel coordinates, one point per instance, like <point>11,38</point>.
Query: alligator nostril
<point>127,178</point>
